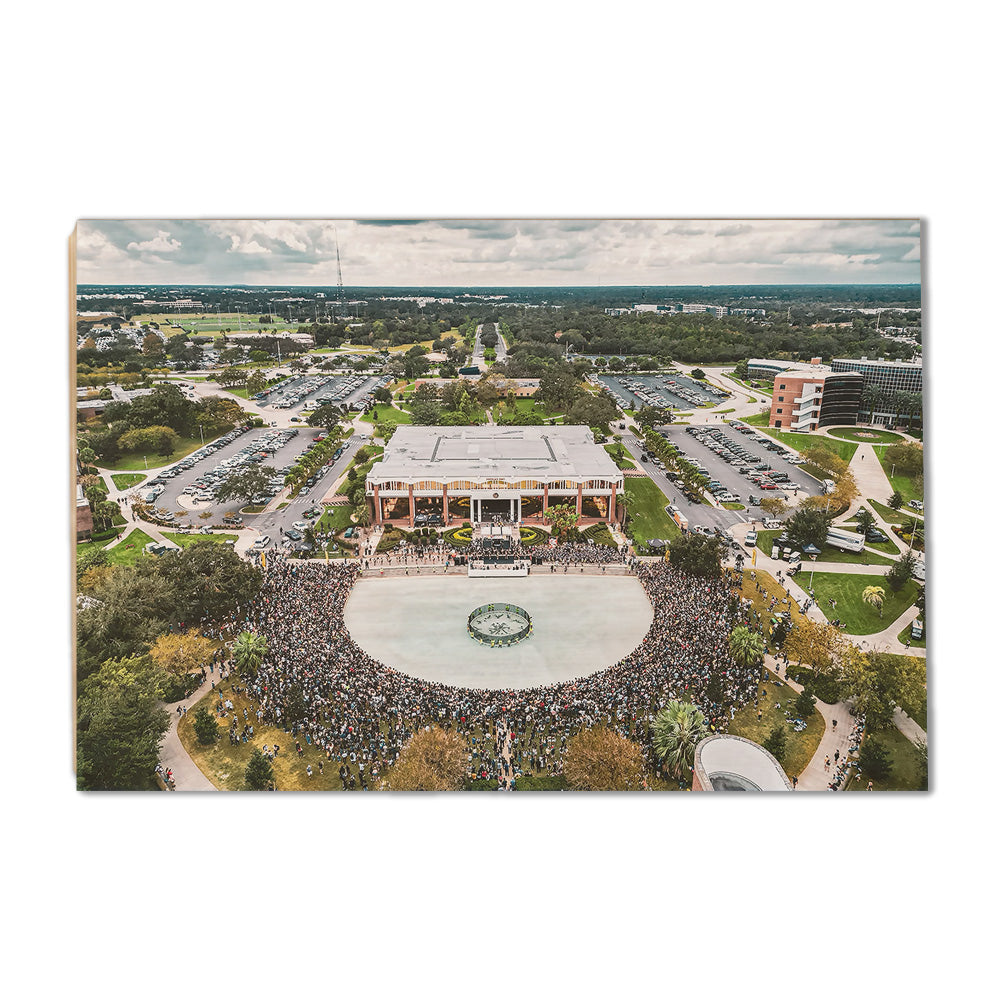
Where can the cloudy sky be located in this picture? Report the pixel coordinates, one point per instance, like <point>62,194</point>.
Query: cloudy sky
<point>498,252</point>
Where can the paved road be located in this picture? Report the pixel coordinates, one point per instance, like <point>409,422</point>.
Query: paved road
<point>478,355</point>
<point>711,517</point>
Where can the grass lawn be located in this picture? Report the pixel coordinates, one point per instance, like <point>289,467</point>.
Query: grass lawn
<point>801,746</point>
<point>388,415</point>
<point>771,589</point>
<point>125,480</point>
<point>130,463</point>
<point>920,643</point>
<point>647,518</point>
<point>900,516</point>
<point>860,618</point>
<point>765,539</point>
<point>335,519</point>
<point>843,449</point>
<point>906,774</point>
<point>903,484</point>
<point>184,540</point>
<point>864,435</point>
<point>126,552</point>
<point>757,420</point>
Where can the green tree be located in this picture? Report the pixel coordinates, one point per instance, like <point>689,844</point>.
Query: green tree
<point>698,555</point>
<point>896,500</point>
<point>677,730</point>
<point>878,682</point>
<point>808,527</point>
<point>249,651</point>
<point>120,725</point>
<point>205,726</point>
<point>866,520</point>
<point>327,416</point>
<point>259,774</point>
<point>245,484</point>
<point>873,759</point>
<point>805,704</point>
<point>776,743</point>
<point>697,373</point>
<point>160,440</point>
<point>256,382</point>
<point>901,571</point>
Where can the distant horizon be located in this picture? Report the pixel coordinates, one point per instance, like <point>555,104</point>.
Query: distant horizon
<point>722,284</point>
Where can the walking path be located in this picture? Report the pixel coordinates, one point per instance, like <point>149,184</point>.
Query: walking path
<point>814,776</point>
<point>187,775</point>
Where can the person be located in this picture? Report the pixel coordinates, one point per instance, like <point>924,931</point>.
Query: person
<point>795,782</point>
<point>835,725</point>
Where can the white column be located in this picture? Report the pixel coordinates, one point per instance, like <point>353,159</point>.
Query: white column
<point>512,509</point>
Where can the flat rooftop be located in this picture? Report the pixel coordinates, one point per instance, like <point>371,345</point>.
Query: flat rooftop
<point>494,452</point>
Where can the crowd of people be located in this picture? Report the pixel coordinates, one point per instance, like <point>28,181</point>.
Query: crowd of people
<point>320,686</point>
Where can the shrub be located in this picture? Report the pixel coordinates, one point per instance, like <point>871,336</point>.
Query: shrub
<point>805,704</point>
<point>259,773</point>
<point>873,759</point>
<point>777,742</point>
<point>205,726</point>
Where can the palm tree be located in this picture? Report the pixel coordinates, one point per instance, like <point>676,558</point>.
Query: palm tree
<point>248,652</point>
<point>677,730</point>
<point>628,500</point>
<point>875,596</point>
<point>746,647</point>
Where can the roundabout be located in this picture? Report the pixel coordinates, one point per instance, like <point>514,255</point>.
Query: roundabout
<point>421,626</point>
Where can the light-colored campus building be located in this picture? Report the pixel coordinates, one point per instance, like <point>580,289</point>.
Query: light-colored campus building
<point>477,474</point>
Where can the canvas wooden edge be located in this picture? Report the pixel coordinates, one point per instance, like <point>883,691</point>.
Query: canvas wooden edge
<point>72,487</point>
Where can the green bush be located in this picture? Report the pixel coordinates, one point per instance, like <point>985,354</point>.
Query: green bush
<point>205,726</point>
<point>805,704</point>
<point>178,688</point>
<point>777,742</point>
<point>873,759</point>
<point>824,687</point>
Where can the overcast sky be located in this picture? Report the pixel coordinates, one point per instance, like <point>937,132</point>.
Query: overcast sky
<point>498,252</point>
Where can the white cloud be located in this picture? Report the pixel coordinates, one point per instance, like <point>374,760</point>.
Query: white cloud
<point>162,242</point>
<point>502,251</point>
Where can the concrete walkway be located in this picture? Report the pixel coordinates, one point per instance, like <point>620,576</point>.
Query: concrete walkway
<point>187,776</point>
<point>814,777</point>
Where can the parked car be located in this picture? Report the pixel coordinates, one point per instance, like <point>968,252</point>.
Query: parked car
<point>916,504</point>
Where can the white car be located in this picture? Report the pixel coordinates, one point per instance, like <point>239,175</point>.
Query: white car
<point>299,525</point>
<point>916,504</point>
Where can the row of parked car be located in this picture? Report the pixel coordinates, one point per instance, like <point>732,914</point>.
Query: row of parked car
<point>255,452</point>
<point>759,472</point>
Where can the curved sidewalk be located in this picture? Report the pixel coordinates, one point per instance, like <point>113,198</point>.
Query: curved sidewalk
<point>187,775</point>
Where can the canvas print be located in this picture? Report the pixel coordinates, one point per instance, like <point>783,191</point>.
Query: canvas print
<point>499,505</point>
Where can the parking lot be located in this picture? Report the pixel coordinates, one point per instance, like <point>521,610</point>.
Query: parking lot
<point>185,489</point>
<point>734,460</point>
<point>667,389</point>
<point>311,391</point>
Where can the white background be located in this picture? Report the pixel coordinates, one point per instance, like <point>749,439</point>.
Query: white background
<point>860,109</point>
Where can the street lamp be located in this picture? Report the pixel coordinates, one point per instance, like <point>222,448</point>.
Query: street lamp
<point>811,572</point>
<point>202,431</point>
